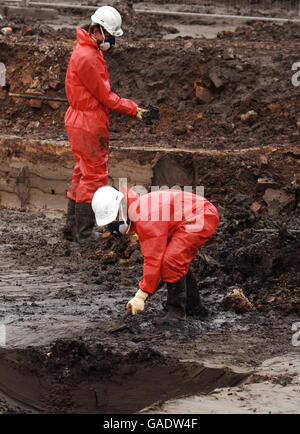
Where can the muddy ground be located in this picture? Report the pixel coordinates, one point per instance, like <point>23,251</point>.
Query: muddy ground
<point>58,300</point>
<point>236,89</point>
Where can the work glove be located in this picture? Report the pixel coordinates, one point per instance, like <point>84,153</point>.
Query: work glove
<point>140,113</point>
<point>137,303</point>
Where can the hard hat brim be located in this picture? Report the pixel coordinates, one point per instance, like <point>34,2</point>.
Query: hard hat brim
<point>118,33</point>
<point>103,221</point>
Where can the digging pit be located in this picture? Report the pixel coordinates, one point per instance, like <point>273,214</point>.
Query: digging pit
<point>35,174</point>
<point>229,123</point>
<point>73,377</point>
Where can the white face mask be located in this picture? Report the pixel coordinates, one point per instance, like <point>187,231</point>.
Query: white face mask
<point>106,44</point>
<point>122,226</point>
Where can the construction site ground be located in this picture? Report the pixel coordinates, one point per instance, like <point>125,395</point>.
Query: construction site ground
<point>229,121</point>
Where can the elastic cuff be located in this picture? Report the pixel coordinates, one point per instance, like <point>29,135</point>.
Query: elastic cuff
<point>142,294</point>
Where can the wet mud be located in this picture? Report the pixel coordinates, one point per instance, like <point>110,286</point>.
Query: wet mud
<point>229,123</point>
<point>236,90</point>
<point>73,376</point>
<point>59,302</point>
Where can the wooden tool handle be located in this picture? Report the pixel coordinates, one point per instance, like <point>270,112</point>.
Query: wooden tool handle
<point>126,314</point>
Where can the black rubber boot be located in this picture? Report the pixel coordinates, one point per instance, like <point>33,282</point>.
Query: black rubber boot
<point>69,230</point>
<point>176,302</point>
<point>85,221</point>
<point>194,307</point>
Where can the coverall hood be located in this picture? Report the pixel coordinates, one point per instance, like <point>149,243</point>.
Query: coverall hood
<point>84,38</point>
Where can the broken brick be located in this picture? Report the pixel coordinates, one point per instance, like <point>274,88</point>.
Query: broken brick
<point>54,104</point>
<point>262,162</point>
<point>274,106</point>
<point>35,103</point>
<point>237,301</point>
<point>54,84</point>
<point>277,200</point>
<point>264,183</point>
<point>26,79</point>
<point>203,95</point>
<point>26,31</point>
<point>217,81</point>
<point>255,207</point>
<point>35,84</point>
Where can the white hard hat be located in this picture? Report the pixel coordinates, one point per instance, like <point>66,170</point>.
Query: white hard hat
<point>105,204</point>
<point>109,18</point>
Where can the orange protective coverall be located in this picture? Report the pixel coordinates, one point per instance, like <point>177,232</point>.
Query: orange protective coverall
<point>87,119</point>
<point>171,225</point>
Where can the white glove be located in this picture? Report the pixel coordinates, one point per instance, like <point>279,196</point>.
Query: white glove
<point>140,113</point>
<point>137,303</point>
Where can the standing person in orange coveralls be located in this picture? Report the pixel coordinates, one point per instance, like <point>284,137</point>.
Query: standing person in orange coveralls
<point>87,119</point>
<point>172,225</point>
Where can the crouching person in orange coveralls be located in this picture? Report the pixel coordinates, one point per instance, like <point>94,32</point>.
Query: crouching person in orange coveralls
<point>172,225</point>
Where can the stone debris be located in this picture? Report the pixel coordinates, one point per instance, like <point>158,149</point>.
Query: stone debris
<point>250,115</point>
<point>237,301</point>
<point>203,94</point>
<point>255,207</point>
<point>262,161</point>
<point>277,200</point>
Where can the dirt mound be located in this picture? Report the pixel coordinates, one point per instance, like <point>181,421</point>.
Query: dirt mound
<point>111,250</point>
<point>134,25</point>
<point>77,377</point>
<point>268,269</point>
<point>265,32</point>
<point>233,93</point>
<point>82,358</point>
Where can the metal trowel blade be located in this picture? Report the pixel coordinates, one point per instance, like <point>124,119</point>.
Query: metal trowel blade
<point>120,325</point>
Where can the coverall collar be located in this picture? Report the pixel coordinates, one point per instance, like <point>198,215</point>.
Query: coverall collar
<point>83,38</point>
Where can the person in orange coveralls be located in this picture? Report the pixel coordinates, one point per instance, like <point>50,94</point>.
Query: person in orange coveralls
<point>171,225</point>
<point>87,119</point>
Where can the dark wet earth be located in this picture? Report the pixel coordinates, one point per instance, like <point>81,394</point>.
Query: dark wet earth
<point>59,302</point>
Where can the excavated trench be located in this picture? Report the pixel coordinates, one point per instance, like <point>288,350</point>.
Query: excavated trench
<point>73,377</point>
<point>35,174</point>
<point>58,302</point>
<point>228,124</point>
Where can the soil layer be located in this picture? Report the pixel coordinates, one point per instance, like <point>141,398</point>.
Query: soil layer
<point>231,100</point>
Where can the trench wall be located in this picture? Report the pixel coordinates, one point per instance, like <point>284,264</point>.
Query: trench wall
<point>35,174</point>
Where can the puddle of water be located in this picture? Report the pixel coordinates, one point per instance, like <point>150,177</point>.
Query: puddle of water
<point>199,31</point>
